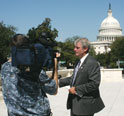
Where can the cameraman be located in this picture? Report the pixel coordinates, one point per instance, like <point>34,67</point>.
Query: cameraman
<point>24,88</point>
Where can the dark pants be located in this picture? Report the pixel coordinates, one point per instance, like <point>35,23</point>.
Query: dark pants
<point>81,115</point>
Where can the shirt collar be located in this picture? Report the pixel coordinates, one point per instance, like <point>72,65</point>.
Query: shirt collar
<point>83,58</point>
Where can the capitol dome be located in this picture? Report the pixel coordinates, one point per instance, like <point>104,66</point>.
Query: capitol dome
<point>110,22</point>
<point>109,31</point>
<point>110,28</point>
<point>110,25</point>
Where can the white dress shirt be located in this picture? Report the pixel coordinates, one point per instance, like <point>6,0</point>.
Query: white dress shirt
<point>83,58</point>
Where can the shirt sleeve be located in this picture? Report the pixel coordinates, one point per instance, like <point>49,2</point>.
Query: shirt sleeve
<point>9,80</point>
<point>48,84</point>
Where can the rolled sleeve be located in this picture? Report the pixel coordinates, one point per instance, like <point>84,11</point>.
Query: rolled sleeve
<point>48,84</point>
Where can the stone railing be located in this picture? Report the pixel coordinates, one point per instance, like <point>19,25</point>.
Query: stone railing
<point>111,75</point>
<point>64,73</point>
<point>106,74</point>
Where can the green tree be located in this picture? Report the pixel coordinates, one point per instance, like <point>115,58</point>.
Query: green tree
<point>6,32</point>
<point>72,39</point>
<point>101,59</point>
<point>44,28</point>
<point>92,52</point>
<point>67,51</point>
<point>117,51</point>
<point>104,59</point>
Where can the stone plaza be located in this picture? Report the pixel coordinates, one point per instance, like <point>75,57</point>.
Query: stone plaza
<point>112,93</point>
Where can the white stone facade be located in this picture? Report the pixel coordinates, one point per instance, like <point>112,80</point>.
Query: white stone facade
<point>109,30</point>
<point>101,47</point>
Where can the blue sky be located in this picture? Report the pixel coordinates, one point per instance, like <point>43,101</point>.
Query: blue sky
<point>70,17</point>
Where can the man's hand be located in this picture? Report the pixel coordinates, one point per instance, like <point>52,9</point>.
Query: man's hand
<point>72,90</point>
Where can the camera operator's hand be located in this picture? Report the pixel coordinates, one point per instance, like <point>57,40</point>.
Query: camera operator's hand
<point>55,69</point>
<point>57,54</point>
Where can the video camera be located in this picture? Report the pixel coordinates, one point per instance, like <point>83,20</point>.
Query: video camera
<point>39,54</point>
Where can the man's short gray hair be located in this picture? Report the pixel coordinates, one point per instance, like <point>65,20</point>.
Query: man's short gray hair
<point>84,41</point>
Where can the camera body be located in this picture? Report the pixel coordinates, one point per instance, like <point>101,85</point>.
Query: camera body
<point>34,55</point>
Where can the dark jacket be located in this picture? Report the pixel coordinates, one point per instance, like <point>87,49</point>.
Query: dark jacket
<point>88,100</point>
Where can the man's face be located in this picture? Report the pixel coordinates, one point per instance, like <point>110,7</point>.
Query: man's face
<point>79,51</point>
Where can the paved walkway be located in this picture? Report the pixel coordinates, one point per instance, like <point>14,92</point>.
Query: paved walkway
<point>112,94</point>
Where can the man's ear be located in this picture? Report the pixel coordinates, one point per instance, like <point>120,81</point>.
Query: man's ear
<point>85,49</point>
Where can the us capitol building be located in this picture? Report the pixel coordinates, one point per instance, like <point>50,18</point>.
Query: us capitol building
<point>109,30</point>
